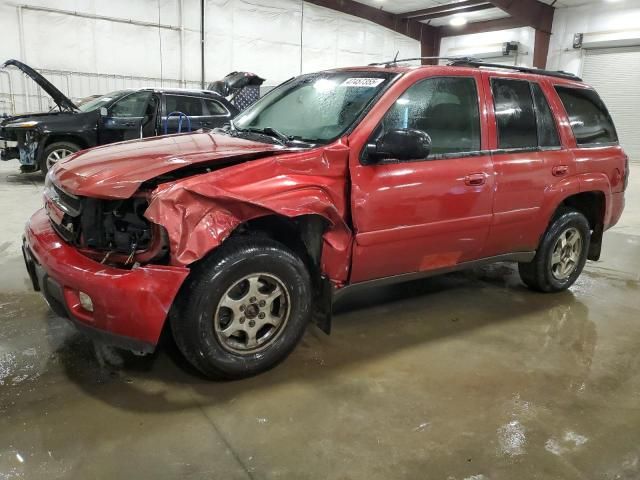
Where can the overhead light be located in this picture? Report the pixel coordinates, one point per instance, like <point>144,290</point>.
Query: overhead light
<point>458,21</point>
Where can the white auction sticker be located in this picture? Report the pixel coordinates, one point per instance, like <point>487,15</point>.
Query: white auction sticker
<point>362,82</point>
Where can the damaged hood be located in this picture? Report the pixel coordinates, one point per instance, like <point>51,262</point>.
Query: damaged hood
<point>60,98</point>
<point>117,170</point>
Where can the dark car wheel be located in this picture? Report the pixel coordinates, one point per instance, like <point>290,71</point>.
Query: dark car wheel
<point>55,152</point>
<point>244,309</point>
<point>561,255</point>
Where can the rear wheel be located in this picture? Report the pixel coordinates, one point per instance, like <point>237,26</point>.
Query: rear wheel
<point>561,255</point>
<point>55,152</point>
<point>245,308</point>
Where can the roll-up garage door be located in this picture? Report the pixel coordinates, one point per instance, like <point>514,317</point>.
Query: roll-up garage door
<point>615,74</point>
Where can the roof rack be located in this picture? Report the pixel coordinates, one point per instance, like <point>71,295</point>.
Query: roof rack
<point>467,62</point>
<point>476,63</point>
<point>397,60</point>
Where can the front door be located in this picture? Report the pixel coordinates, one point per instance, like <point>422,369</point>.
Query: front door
<point>129,118</point>
<point>431,213</point>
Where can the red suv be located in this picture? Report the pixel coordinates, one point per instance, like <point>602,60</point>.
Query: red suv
<point>334,180</point>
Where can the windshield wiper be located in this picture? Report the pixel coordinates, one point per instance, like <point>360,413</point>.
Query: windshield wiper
<point>271,132</point>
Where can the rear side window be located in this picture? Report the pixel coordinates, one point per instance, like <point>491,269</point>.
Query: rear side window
<point>214,108</point>
<point>547,131</point>
<point>589,118</point>
<point>515,114</point>
<point>191,106</point>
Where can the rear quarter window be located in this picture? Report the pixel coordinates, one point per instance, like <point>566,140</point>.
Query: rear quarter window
<point>588,116</point>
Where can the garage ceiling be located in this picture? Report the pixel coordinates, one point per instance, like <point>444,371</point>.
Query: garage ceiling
<point>403,6</point>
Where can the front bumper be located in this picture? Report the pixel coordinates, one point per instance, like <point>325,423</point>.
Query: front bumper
<point>8,150</point>
<point>129,306</point>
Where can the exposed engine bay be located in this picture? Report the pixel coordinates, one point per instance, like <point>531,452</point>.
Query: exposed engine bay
<point>114,232</point>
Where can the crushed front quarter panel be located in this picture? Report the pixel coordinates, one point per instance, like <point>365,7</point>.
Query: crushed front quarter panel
<point>200,212</point>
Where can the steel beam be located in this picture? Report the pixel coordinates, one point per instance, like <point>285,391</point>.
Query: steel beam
<point>479,27</point>
<point>448,9</point>
<point>541,49</point>
<point>405,26</point>
<point>446,13</point>
<point>534,13</point>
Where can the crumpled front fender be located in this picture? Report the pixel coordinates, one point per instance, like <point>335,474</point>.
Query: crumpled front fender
<point>200,212</point>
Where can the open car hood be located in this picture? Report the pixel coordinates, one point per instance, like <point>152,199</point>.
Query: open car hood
<point>60,98</point>
<point>117,170</point>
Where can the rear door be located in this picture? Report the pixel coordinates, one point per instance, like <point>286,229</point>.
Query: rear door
<point>431,213</point>
<point>216,114</point>
<point>527,158</point>
<point>177,105</point>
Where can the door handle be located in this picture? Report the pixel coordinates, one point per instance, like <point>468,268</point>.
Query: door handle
<point>559,170</point>
<point>475,179</point>
<point>130,124</point>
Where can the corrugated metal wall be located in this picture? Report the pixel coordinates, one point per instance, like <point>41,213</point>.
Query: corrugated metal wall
<point>113,44</point>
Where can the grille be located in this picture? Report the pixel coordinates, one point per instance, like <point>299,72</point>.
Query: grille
<point>66,235</point>
<point>67,202</point>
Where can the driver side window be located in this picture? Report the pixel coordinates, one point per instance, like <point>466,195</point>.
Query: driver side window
<point>446,108</point>
<point>134,105</point>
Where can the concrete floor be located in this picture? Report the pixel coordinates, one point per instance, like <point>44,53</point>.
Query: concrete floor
<point>466,376</point>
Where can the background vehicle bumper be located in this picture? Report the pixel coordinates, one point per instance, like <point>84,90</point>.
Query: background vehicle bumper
<point>129,306</point>
<point>8,150</point>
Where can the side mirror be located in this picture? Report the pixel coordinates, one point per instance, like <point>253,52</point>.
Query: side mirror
<point>104,112</point>
<point>401,144</point>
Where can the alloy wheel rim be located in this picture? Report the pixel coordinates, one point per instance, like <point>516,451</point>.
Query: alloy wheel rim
<point>566,254</point>
<point>57,155</point>
<point>252,313</point>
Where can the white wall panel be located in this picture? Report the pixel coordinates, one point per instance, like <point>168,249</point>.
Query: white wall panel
<point>595,18</point>
<point>51,35</point>
<point>276,39</point>
<point>479,42</point>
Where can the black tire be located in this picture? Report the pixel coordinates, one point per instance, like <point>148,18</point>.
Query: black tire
<point>52,147</point>
<point>193,325</point>
<point>539,274</point>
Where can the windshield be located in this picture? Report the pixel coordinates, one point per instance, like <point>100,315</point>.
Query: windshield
<point>315,108</point>
<point>102,101</point>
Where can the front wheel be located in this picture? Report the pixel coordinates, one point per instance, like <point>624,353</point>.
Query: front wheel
<point>245,308</point>
<point>55,152</point>
<point>561,255</point>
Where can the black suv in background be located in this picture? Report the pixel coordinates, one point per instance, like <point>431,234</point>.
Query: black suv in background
<point>44,138</point>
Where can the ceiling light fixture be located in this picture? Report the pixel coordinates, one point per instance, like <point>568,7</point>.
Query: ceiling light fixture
<point>458,21</point>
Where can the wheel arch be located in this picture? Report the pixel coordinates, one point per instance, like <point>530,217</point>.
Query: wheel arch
<point>304,235</point>
<point>65,137</point>
<point>59,137</point>
<point>593,205</point>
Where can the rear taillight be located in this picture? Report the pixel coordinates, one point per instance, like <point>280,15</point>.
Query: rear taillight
<point>625,175</point>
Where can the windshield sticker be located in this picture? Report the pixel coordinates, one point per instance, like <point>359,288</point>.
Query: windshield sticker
<point>362,82</point>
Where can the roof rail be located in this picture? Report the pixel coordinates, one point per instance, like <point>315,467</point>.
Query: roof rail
<point>395,61</point>
<point>467,62</point>
<point>476,63</point>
